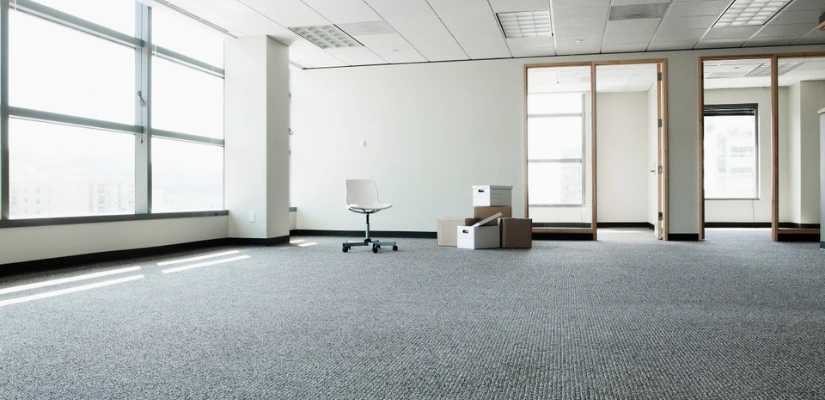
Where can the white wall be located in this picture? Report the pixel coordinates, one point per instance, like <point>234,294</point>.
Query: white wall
<point>622,148</point>
<point>257,138</point>
<point>41,242</point>
<point>433,130</point>
<point>750,210</point>
<point>812,100</point>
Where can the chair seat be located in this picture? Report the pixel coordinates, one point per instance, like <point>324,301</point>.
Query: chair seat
<point>368,209</point>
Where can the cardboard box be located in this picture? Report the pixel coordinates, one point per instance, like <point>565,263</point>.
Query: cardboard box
<point>478,237</point>
<point>485,212</point>
<point>516,233</point>
<point>446,232</point>
<point>492,196</point>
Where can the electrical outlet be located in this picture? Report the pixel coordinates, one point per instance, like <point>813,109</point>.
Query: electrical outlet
<point>252,216</point>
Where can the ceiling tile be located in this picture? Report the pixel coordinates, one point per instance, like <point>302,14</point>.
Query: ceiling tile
<point>784,30</point>
<point>816,5</point>
<point>771,41</point>
<point>697,8</point>
<point>796,17</point>
<point>636,2</point>
<point>357,56</point>
<point>288,12</point>
<point>687,23</point>
<point>585,41</point>
<point>474,26</point>
<point>571,50</point>
<point>562,4</point>
<point>815,37</point>
<point>676,45</point>
<point>743,32</point>
<point>624,47</point>
<point>580,14</point>
<point>309,55</point>
<point>628,37</point>
<point>531,47</point>
<point>680,35</point>
<point>417,22</point>
<point>519,5</point>
<point>562,29</point>
<point>343,11</point>
<point>238,17</point>
<point>719,44</point>
<point>391,47</point>
<point>633,25</point>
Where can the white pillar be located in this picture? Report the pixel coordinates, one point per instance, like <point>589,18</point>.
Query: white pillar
<point>257,138</point>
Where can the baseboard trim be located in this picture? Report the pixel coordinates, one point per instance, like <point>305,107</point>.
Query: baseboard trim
<point>794,225</point>
<point>49,264</point>
<point>683,237</point>
<point>624,225</point>
<point>805,237</point>
<point>737,224</point>
<point>377,234</point>
<point>562,236</point>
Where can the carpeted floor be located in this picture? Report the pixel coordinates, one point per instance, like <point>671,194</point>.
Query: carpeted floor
<point>628,317</point>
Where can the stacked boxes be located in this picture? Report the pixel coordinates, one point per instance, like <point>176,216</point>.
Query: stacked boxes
<point>492,225</point>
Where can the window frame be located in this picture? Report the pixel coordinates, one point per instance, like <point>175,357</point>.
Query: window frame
<point>581,160</point>
<point>720,110</point>
<point>141,129</point>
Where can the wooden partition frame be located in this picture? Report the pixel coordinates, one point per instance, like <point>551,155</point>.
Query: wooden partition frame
<point>776,231</point>
<point>662,62</point>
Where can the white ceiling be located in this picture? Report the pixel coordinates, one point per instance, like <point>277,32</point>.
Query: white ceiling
<point>733,73</point>
<point>448,30</point>
<point>609,78</point>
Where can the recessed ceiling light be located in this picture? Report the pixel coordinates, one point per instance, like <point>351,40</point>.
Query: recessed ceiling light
<point>521,24</point>
<point>326,36</point>
<point>750,13</point>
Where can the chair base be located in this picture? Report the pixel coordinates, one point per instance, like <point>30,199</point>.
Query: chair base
<point>373,244</point>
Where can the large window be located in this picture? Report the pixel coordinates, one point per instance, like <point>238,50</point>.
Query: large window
<point>82,78</point>
<point>555,154</point>
<point>731,156</point>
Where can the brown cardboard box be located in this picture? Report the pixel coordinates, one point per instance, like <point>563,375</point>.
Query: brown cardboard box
<point>516,233</point>
<point>484,212</point>
<point>447,229</point>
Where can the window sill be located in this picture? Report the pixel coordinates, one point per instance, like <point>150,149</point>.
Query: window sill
<point>30,222</point>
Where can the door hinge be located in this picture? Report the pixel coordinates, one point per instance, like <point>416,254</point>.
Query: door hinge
<point>661,216</point>
<point>661,170</point>
<point>659,76</point>
<point>661,123</point>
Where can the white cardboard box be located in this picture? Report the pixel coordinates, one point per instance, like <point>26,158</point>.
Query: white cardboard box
<point>492,196</point>
<point>478,237</point>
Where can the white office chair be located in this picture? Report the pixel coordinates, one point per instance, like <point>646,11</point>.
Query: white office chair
<point>362,198</point>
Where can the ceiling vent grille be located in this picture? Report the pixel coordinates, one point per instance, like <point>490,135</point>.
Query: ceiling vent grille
<point>523,24</point>
<point>638,11</point>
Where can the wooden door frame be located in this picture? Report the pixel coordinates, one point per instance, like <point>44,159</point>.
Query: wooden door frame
<point>774,59</point>
<point>662,100</point>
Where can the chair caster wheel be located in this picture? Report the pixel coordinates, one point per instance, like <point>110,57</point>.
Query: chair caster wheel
<point>345,249</point>
<point>375,249</point>
<point>394,248</point>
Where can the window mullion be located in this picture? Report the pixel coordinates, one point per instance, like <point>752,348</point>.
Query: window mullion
<point>143,113</point>
<point>4,109</point>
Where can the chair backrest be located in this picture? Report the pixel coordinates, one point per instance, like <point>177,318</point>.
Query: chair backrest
<point>362,192</point>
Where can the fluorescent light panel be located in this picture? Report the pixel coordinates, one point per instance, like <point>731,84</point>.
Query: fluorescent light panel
<point>522,24</point>
<point>750,13</point>
<point>326,36</point>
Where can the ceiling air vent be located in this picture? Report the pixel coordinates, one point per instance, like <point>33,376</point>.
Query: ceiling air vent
<point>326,36</point>
<point>639,11</point>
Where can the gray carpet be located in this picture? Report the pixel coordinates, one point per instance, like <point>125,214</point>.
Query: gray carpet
<point>735,317</point>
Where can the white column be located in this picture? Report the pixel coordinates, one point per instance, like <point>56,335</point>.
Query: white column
<point>257,138</point>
